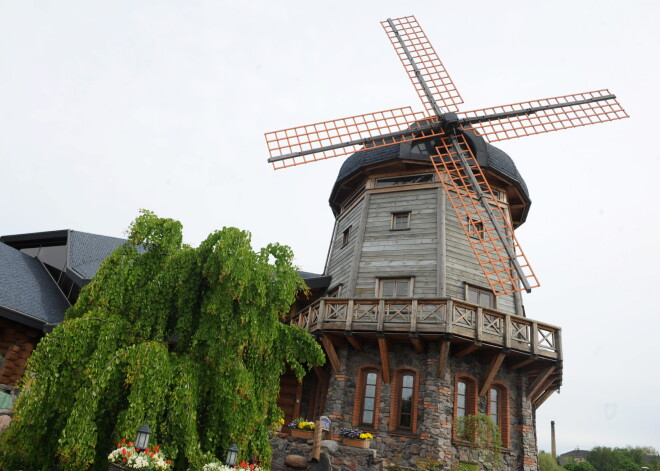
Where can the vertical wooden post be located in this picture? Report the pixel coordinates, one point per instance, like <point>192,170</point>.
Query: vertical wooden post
<point>319,323</point>
<point>534,338</point>
<point>449,315</point>
<point>316,444</point>
<point>479,324</point>
<point>349,315</point>
<point>507,331</point>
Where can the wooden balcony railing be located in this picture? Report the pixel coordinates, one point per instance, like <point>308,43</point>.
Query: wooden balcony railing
<point>431,317</point>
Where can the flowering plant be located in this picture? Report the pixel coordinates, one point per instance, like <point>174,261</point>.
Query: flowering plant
<point>354,432</point>
<point>150,459</point>
<point>216,466</point>
<point>302,424</point>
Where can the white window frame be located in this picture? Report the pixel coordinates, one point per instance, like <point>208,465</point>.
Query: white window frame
<point>394,218</point>
<point>409,279</point>
<point>480,290</point>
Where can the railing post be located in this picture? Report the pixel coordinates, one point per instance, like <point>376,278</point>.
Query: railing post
<point>319,322</point>
<point>534,338</point>
<point>449,315</point>
<point>308,323</point>
<point>557,334</point>
<point>413,316</point>
<point>507,331</point>
<point>349,316</point>
<point>479,324</point>
<point>381,315</point>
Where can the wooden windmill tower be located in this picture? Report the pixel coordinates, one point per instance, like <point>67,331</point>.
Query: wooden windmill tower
<point>422,320</point>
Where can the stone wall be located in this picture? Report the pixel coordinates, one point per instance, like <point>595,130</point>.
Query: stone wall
<point>293,453</point>
<point>433,437</point>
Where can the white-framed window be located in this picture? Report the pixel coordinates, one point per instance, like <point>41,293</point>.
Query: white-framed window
<point>480,296</point>
<point>400,221</point>
<point>394,287</point>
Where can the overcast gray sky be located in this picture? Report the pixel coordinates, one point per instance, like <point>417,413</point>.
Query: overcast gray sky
<point>109,107</point>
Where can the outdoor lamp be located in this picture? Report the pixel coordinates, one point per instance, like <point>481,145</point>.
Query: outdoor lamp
<point>142,439</point>
<point>232,454</point>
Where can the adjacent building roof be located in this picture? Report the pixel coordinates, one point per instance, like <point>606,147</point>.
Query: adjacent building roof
<point>30,263</point>
<point>28,294</point>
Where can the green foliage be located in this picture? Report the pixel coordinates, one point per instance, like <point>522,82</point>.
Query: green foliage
<point>185,339</point>
<point>480,432</point>
<point>623,459</point>
<point>579,466</point>
<point>548,463</point>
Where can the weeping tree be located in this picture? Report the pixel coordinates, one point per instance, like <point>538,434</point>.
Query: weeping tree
<point>188,340</point>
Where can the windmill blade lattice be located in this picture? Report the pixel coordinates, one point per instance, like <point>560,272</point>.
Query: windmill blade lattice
<point>303,144</point>
<point>539,116</point>
<point>418,57</point>
<point>485,225</point>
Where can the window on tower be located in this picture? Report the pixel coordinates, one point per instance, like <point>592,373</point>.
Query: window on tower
<point>479,296</point>
<point>400,221</point>
<point>394,287</point>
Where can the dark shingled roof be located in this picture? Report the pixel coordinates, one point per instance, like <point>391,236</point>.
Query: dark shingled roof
<point>497,160</point>
<point>86,252</point>
<point>27,289</point>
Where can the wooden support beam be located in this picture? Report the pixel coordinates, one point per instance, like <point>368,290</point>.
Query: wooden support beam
<point>494,367</point>
<point>296,406</point>
<point>417,343</point>
<point>355,342</point>
<point>467,350</point>
<point>384,359</point>
<point>331,352</point>
<point>538,382</point>
<point>320,374</point>
<point>443,359</point>
<point>520,364</point>
<point>543,397</point>
<point>546,385</point>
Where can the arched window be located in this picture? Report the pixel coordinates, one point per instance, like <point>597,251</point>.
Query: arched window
<point>465,399</point>
<point>367,397</point>
<point>403,407</point>
<point>498,410</point>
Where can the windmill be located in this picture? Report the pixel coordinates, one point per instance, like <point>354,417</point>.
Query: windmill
<point>453,136</point>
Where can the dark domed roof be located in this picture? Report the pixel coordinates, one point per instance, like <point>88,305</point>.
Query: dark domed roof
<point>496,160</point>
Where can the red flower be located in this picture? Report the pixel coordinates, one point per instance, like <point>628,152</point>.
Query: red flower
<point>128,454</point>
<point>130,443</point>
<point>146,450</point>
<point>118,444</point>
<point>123,440</point>
<point>168,462</point>
<point>124,460</point>
<point>123,451</point>
<point>156,448</point>
<point>152,454</point>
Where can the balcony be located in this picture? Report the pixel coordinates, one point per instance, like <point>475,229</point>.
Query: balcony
<point>432,319</point>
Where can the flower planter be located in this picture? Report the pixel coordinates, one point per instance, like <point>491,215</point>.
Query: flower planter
<point>116,467</point>
<point>306,434</point>
<point>355,442</point>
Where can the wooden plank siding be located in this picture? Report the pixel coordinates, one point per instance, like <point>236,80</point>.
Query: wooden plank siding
<point>342,257</point>
<point>400,253</point>
<point>463,267</point>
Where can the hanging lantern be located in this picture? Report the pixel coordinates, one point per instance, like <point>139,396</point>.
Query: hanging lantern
<point>142,439</point>
<point>232,454</point>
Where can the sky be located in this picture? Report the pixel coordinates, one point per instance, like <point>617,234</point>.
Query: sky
<point>110,107</point>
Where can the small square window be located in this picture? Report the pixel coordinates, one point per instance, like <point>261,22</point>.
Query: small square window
<point>475,229</point>
<point>400,221</point>
<point>345,236</point>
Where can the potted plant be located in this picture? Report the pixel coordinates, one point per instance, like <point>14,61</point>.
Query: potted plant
<point>301,428</point>
<point>217,466</point>
<point>355,437</point>
<point>125,456</point>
